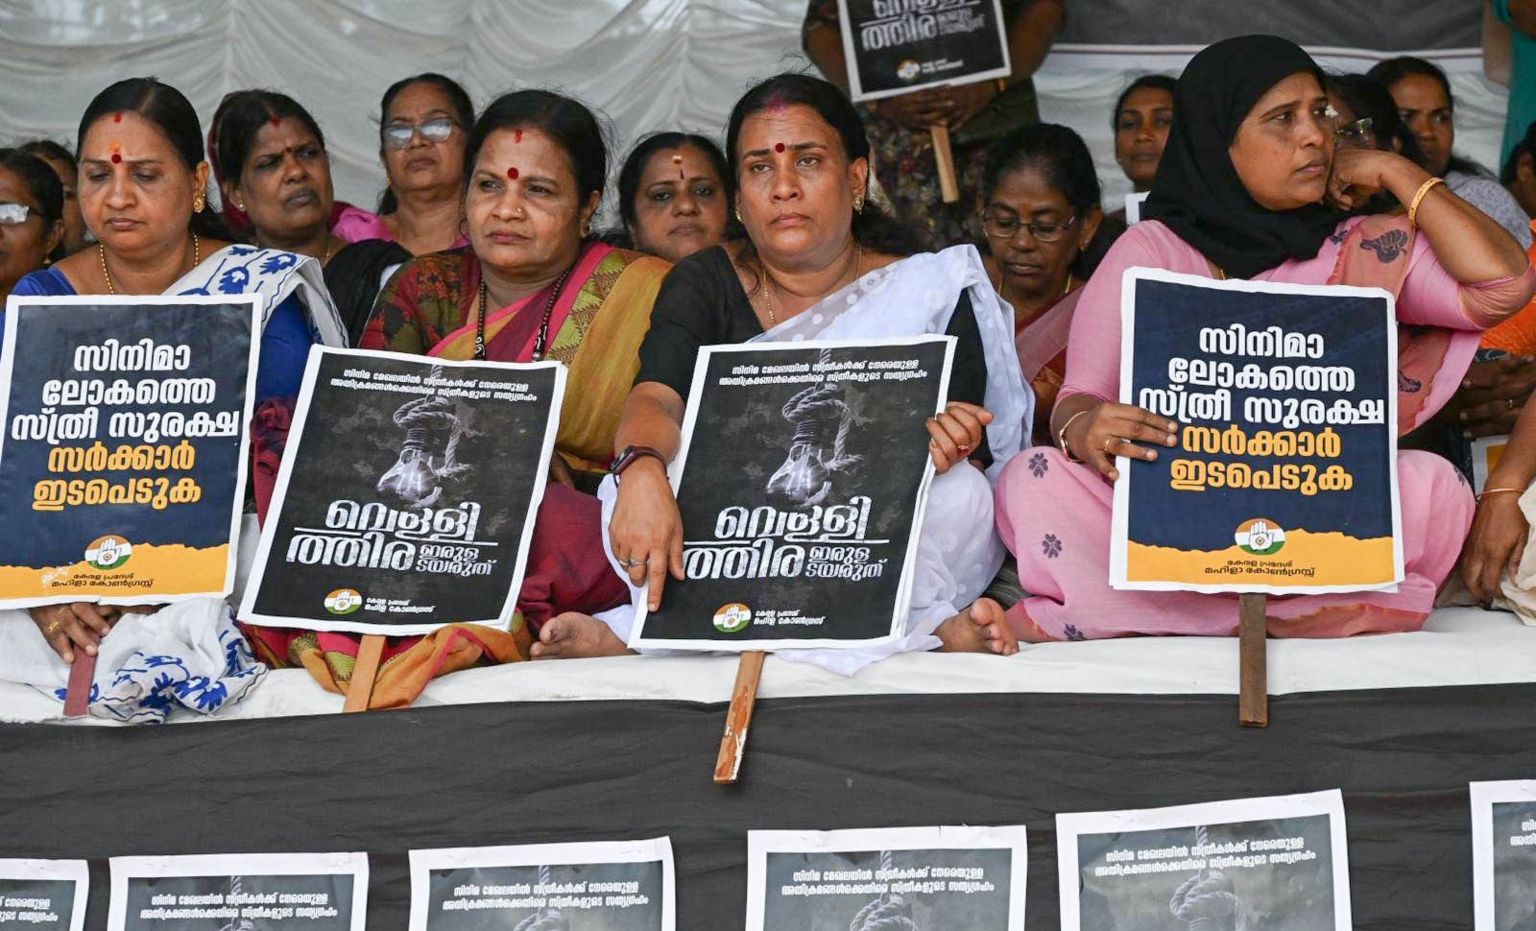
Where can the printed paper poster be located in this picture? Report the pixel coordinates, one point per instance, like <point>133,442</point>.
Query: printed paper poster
<point>1504,855</point>
<point>250,892</point>
<point>899,46</point>
<point>123,457</point>
<point>43,895</point>
<point>1284,479</point>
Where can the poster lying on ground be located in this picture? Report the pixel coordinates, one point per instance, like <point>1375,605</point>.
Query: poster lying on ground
<point>602,886</point>
<point>43,895</point>
<point>1504,855</point>
<point>407,493</point>
<point>899,46</point>
<point>252,892</point>
<point>1284,476</point>
<point>927,877</point>
<point>802,481</point>
<point>1279,863</point>
<point>123,456</point>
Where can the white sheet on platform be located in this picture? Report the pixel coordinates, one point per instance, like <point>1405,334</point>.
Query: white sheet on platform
<point>1460,646</point>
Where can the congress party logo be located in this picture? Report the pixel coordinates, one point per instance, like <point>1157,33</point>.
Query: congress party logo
<point>108,552</point>
<point>733,618</point>
<point>343,601</point>
<point>1260,537</point>
<point>908,70</point>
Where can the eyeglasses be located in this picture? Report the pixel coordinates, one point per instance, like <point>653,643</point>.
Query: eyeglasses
<point>14,214</point>
<point>437,129</point>
<point>1005,227</point>
<point>1357,133</point>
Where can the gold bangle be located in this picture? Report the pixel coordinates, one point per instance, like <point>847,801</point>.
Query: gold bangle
<point>1413,208</point>
<point>1500,491</point>
<point>1061,437</point>
<point>1002,86</point>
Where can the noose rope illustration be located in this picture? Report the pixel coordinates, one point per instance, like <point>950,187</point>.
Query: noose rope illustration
<point>818,451</point>
<point>889,912</point>
<point>544,919</point>
<point>428,458</point>
<point>1205,901</point>
<point>237,924</point>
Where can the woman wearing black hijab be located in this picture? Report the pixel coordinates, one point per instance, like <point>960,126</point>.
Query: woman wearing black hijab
<point>1251,186</point>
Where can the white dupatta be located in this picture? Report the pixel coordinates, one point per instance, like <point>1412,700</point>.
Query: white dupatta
<point>915,296</point>
<point>273,273</point>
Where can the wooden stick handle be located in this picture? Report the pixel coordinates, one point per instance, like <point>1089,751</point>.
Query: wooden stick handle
<point>738,720</point>
<point>360,686</point>
<point>1253,673</point>
<point>944,155</point>
<point>77,697</point>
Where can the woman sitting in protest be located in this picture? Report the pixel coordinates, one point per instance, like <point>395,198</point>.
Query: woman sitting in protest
<point>820,262</point>
<point>58,158</point>
<point>675,195</point>
<point>31,217</point>
<point>143,188</point>
<point>1141,120</point>
<point>1240,194</point>
<point>531,285</point>
<point>1040,213</point>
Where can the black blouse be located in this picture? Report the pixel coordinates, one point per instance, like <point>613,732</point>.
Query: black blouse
<point>702,303</point>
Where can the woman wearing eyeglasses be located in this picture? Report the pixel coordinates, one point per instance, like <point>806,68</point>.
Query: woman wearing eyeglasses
<point>31,216</point>
<point>424,119</point>
<point>1039,212</point>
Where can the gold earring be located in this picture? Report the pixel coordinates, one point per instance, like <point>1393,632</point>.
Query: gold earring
<point>198,203</point>
<point>240,205</point>
<point>738,214</point>
<point>858,205</point>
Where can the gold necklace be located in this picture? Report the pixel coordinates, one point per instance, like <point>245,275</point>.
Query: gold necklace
<point>773,318</point>
<point>101,253</point>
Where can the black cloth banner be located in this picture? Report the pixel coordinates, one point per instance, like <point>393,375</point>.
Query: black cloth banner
<point>488,774</point>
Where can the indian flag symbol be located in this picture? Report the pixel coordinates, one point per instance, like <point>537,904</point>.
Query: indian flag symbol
<point>1260,537</point>
<point>108,552</point>
<point>343,601</point>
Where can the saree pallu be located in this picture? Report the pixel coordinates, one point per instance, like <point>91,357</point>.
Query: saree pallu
<point>430,307</point>
<point>1042,347</point>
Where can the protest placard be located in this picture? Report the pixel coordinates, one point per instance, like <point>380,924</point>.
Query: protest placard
<point>43,895</point>
<point>407,493</point>
<point>801,481</point>
<point>1504,855</point>
<point>922,877</point>
<point>123,456</point>
<point>1218,866</point>
<point>1284,479</point>
<point>594,886</point>
<point>898,46</point>
<point>1487,453</point>
<point>254,891</point>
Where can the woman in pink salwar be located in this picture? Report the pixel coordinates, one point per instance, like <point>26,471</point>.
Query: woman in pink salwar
<point>1251,186</point>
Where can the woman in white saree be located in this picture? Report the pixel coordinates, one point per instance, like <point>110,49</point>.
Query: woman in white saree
<point>820,264</point>
<point>142,191</point>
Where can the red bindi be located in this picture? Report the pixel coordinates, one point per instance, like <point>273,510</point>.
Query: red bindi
<point>517,135</point>
<point>276,121</point>
<point>512,173</point>
<point>779,147</point>
<point>117,117</point>
<point>117,158</point>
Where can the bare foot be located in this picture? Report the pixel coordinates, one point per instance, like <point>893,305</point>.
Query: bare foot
<point>981,628</point>
<point>572,635</point>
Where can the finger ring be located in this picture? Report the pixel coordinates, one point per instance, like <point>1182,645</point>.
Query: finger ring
<point>1110,442</point>
<point>964,449</point>
<point>632,563</point>
<point>51,629</point>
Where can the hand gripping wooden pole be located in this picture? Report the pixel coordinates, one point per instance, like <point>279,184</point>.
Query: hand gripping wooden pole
<point>77,695</point>
<point>943,154</point>
<point>1253,673</point>
<point>738,719</point>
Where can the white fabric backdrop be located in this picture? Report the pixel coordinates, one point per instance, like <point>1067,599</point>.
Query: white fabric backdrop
<point>645,64</point>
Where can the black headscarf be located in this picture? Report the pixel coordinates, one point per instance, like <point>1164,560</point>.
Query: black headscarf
<point>1197,192</point>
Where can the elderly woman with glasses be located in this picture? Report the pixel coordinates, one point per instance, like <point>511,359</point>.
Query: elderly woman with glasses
<point>1040,212</point>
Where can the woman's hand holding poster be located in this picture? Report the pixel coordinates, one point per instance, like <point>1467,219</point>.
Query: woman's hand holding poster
<point>122,462</point>
<point>1284,477</point>
<point>407,494</point>
<point>801,482</point>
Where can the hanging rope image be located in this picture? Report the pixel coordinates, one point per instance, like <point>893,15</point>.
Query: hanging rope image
<point>1206,901</point>
<point>889,912</point>
<point>545,919</point>
<point>428,459</point>
<point>237,924</point>
<point>818,451</point>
